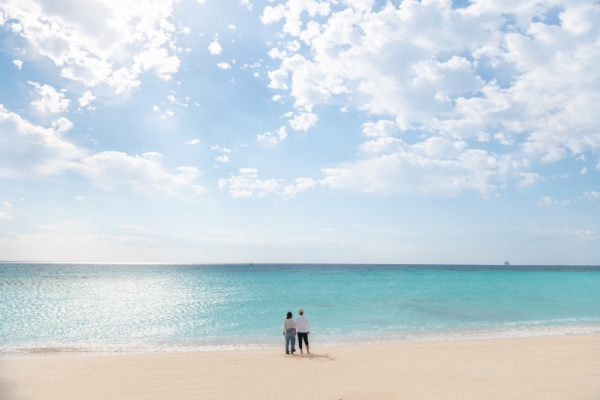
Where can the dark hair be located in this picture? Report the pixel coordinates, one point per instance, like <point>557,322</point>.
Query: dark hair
<point>289,315</point>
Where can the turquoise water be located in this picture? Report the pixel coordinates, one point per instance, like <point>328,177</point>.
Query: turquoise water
<point>107,308</point>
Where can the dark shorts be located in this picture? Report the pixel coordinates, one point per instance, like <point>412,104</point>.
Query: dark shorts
<point>302,335</point>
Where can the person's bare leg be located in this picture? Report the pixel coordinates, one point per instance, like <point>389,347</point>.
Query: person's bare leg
<point>307,350</point>
<point>301,350</point>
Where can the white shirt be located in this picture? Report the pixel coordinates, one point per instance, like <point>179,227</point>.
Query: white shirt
<point>289,324</point>
<point>303,324</point>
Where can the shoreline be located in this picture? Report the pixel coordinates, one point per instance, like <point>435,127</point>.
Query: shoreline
<point>550,331</point>
<point>550,367</point>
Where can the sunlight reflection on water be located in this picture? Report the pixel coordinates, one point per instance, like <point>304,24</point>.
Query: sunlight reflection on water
<point>66,307</point>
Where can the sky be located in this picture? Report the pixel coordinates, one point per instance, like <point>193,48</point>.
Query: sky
<point>300,131</point>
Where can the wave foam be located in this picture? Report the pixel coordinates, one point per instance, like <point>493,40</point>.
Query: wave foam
<point>316,341</point>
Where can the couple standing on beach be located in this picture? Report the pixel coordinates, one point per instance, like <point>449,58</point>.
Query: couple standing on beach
<point>292,326</point>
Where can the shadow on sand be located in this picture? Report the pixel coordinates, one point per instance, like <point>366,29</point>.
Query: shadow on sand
<point>312,356</point>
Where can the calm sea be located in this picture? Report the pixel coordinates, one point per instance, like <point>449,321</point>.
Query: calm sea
<point>110,308</point>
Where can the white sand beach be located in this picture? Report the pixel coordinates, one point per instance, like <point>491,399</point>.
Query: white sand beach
<point>562,367</point>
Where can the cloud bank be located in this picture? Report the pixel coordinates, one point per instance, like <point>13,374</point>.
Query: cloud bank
<point>99,41</point>
<point>27,149</point>
<point>460,98</point>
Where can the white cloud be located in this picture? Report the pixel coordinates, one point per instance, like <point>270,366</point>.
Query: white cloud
<point>382,145</point>
<point>291,11</point>
<point>223,65</point>
<point>301,185</point>
<point>155,108</point>
<point>436,71</point>
<point>193,142</point>
<point>586,234</point>
<point>51,101</point>
<point>548,201</point>
<point>380,128</point>
<point>157,59</point>
<point>136,228</point>
<point>18,63</point>
<point>123,80</point>
<point>142,173</point>
<point>293,46</point>
<point>583,171</point>
<point>6,204</point>
<point>273,137</point>
<point>232,27</point>
<point>215,48</point>
<point>272,14</point>
<point>98,41</point>
<point>80,198</point>
<point>253,65</point>
<point>28,149</point>
<point>4,215</point>
<point>277,97</point>
<point>434,167</point>
<point>276,53</point>
<point>310,83</point>
<point>304,121</point>
<point>247,3</point>
<point>281,133</point>
<point>592,195</point>
<point>247,184</point>
<point>222,159</point>
<point>504,139</point>
<point>86,99</point>
<point>278,79</point>
<point>529,178</point>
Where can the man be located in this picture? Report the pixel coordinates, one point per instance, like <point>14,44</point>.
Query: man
<point>303,329</point>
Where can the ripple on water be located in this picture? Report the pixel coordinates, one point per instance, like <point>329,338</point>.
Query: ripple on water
<point>113,308</point>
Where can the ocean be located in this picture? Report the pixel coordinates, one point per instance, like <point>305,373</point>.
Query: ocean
<point>156,308</point>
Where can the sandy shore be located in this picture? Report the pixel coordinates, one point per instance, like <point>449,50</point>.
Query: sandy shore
<point>565,367</point>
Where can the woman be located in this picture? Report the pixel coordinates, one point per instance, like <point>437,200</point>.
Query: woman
<point>289,331</point>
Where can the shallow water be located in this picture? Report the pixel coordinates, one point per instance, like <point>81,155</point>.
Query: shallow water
<point>100,308</point>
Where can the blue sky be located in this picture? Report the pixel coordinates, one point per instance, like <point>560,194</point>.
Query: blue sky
<point>300,131</point>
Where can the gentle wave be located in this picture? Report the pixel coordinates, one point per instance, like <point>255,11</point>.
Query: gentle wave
<point>316,342</point>
<point>66,308</point>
